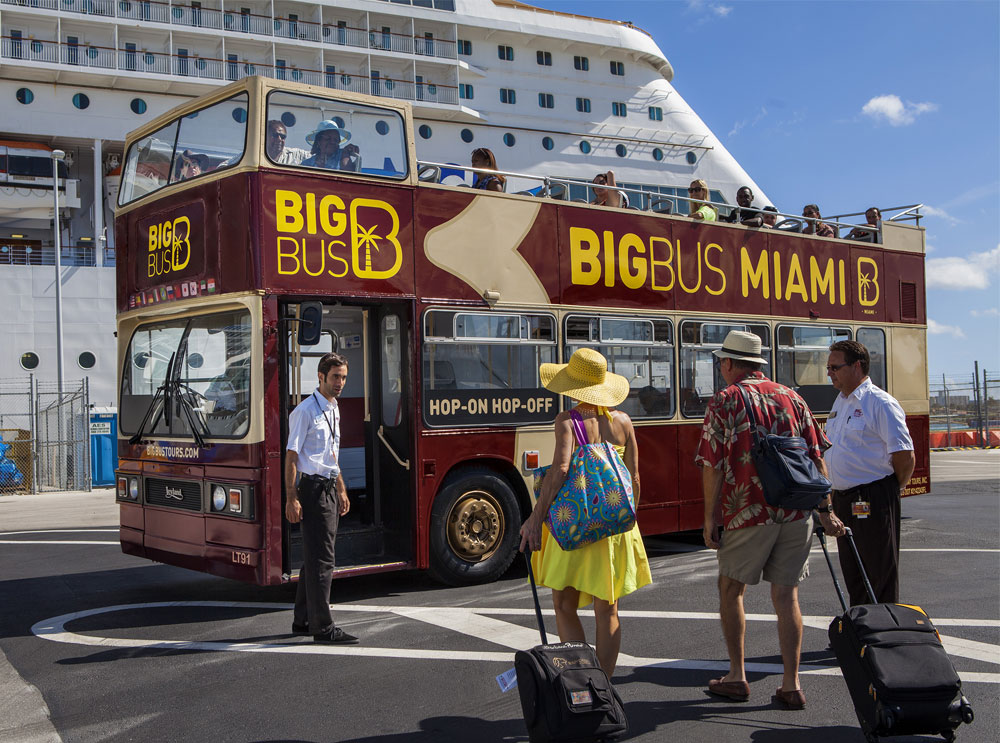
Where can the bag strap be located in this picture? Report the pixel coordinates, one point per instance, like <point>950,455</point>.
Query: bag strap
<point>534,595</point>
<point>750,413</point>
<point>578,428</point>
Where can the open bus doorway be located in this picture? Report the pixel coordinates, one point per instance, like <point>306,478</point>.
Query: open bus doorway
<point>375,435</point>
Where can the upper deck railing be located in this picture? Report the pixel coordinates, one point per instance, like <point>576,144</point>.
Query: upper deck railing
<point>644,199</point>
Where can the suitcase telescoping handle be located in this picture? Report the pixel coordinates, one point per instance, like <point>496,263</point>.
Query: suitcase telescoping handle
<point>534,594</point>
<point>849,535</point>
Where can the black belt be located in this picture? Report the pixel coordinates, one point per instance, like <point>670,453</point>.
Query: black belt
<point>859,488</point>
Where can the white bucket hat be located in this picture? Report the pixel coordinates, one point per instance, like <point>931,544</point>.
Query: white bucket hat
<point>742,346</point>
<point>326,126</point>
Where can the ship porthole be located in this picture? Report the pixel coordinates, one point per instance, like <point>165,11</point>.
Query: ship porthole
<point>691,158</point>
<point>240,115</point>
<point>425,131</point>
<point>81,101</point>
<point>382,127</point>
<point>24,95</point>
<point>466,135</point>
<point>547,143</point>
<point>585,147</point>
<point>29,360</point>
<point>657,154</point>
<point>621,150</point>
<point>86,360</point>
<point>138,106</point>
<point>288,119</point>
<point>508,139</point>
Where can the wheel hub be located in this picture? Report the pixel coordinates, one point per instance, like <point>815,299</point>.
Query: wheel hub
<point>475,526</point>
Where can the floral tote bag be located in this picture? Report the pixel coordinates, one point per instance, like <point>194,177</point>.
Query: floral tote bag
<point>596,500</point>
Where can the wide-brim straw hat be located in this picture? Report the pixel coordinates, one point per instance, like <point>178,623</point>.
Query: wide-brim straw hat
<point>741,345</point>
<point>328,126</point>
<point>585,378</point>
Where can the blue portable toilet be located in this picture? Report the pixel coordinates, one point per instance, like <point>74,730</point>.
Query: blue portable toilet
<point>103,448</point>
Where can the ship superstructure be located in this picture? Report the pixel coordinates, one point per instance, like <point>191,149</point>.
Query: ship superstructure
<point>549,93</point>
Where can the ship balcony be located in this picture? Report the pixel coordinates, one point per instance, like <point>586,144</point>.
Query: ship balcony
<point>42,53</point>
<point>252,24</point>
<point>29,253</point>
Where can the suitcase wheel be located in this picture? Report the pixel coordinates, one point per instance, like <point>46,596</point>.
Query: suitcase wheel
<point>888,719</point>
<point>967,714</point>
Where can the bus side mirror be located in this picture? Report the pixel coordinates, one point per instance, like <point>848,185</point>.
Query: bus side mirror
<point>310,323</point>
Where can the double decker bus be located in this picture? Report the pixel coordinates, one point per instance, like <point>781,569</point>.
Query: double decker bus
<point>445,300</point>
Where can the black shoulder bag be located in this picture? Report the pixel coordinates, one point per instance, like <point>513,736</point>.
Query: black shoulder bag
<point>788,475</point>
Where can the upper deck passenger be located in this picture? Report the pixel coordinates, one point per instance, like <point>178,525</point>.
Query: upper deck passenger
<point>275,144</point>
<point>868,233</point>
<point>744,215</point>
<point>326,141</point>
<point>484,159</point>
<point>699,209</point>
<point>610,196</point>
<point>813,224</point>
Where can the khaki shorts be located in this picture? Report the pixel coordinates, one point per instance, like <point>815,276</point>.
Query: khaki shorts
<point>779,551</point>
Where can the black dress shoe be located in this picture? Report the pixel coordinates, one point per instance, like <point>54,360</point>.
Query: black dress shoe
<point>300,629</point>
<point>336,636</point>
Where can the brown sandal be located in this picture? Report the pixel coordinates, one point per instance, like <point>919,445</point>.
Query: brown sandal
<point>738,691</point>
<point>790,699</point>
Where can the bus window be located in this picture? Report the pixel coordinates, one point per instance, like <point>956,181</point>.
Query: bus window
<point>213,137</point>
<point>368,139</point>
<point>209,360</point>
<point>700,378</point>
<point>476,364</point>
<point>801,362</point>
<point>642,351</point>
<point>874,340</point>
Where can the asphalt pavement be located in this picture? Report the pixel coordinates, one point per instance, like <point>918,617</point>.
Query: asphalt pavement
<point>99,646</point>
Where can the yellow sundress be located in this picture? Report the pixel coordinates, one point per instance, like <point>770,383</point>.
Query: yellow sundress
<point>608,569</point>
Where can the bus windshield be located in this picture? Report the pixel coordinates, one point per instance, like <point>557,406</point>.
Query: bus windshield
<point>312,132</point>
<point>197,143</point>
<point>211,365</point>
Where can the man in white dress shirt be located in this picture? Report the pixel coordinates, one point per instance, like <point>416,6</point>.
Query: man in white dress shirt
<point>315,494</point>
<point>275,144</point>
<point>870,462</point>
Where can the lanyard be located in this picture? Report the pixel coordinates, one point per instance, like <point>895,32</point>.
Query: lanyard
<point>333,436</point>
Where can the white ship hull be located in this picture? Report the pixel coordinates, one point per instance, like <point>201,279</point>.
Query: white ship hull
<point>133,61</point>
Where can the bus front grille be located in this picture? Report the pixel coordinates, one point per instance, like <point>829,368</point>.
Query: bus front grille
<point>173,494</point>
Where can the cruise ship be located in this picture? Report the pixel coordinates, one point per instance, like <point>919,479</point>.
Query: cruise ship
<point>549,93</point>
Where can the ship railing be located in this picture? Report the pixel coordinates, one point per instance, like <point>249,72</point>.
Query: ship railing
<point>45,255</point>
<point>389,41</point>
<point>33,50</point>
<point>248,23</point>
<point>346,36</point>
<point>88,56</point>
<point>130,60</point>
<point>144,10</point>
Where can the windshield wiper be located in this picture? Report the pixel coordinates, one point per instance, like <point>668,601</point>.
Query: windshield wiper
<point>163,396</point>
<point>184,394</point>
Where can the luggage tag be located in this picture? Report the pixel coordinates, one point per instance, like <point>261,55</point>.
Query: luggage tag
<point>507,680</point>
<point>861,509</point>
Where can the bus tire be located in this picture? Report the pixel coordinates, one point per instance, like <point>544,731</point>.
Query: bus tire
<point>475,526</point>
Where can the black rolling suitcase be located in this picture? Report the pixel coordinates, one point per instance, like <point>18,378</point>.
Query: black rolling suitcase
<point>901,680</point>
<point>565,695</point>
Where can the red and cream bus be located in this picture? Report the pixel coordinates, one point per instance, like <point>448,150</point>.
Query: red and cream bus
<point>445,300</point>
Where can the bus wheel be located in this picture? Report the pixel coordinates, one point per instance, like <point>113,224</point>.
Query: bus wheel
<point>474,528</point>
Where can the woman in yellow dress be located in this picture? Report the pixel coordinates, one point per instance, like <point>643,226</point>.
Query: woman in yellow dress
<point>610,568</point>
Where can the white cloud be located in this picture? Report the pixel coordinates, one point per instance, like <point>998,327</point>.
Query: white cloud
<point>707,9</point>
<point>748,122</point>
<point>933,211</point>
<point>971,272</point>
<point>936,328</point>
<point>893,110</point>
<point>990,312</point>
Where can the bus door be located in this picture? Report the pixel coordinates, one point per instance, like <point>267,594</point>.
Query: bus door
<point>375,444</point>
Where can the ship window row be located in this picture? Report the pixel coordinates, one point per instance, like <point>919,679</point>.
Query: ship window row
<point>544,58</point>
<point>30,361</point>
<point>495,356</point>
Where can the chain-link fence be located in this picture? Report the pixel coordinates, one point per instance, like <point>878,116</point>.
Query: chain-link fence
<point>45,436</point>
<point>965,410</point>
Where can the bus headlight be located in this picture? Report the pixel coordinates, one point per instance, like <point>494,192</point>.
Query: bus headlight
<point>133,488</point>
<point>218,498</point>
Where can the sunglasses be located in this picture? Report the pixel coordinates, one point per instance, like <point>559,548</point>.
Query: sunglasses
<point>830,368</point>
<point>279,135</point>
<point>697,189</point>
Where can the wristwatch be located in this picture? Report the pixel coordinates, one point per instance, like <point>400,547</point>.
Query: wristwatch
<point>823,509</point>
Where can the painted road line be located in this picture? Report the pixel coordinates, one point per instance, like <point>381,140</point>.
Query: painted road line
<point>54,541</point>
<point>59,531</point>
<point>472,622</point>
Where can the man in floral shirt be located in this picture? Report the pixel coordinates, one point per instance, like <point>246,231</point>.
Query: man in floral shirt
<point>756,538</point>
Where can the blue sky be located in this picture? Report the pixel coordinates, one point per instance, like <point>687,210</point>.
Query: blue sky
<point>853,104</point>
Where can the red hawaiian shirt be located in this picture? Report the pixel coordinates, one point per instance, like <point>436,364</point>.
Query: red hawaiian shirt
<point>726,441</point>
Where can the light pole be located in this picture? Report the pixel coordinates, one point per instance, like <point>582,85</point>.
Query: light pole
<point>57,157</point>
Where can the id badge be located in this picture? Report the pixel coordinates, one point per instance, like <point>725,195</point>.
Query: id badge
<point>861,509</point>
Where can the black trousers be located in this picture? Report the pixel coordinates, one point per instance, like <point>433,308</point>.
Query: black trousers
<point>320,517</point>
<point>877,538</point>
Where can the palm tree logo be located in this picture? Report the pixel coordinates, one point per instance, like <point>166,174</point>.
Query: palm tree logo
<point>868,281</point>
<point>367,247</point>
